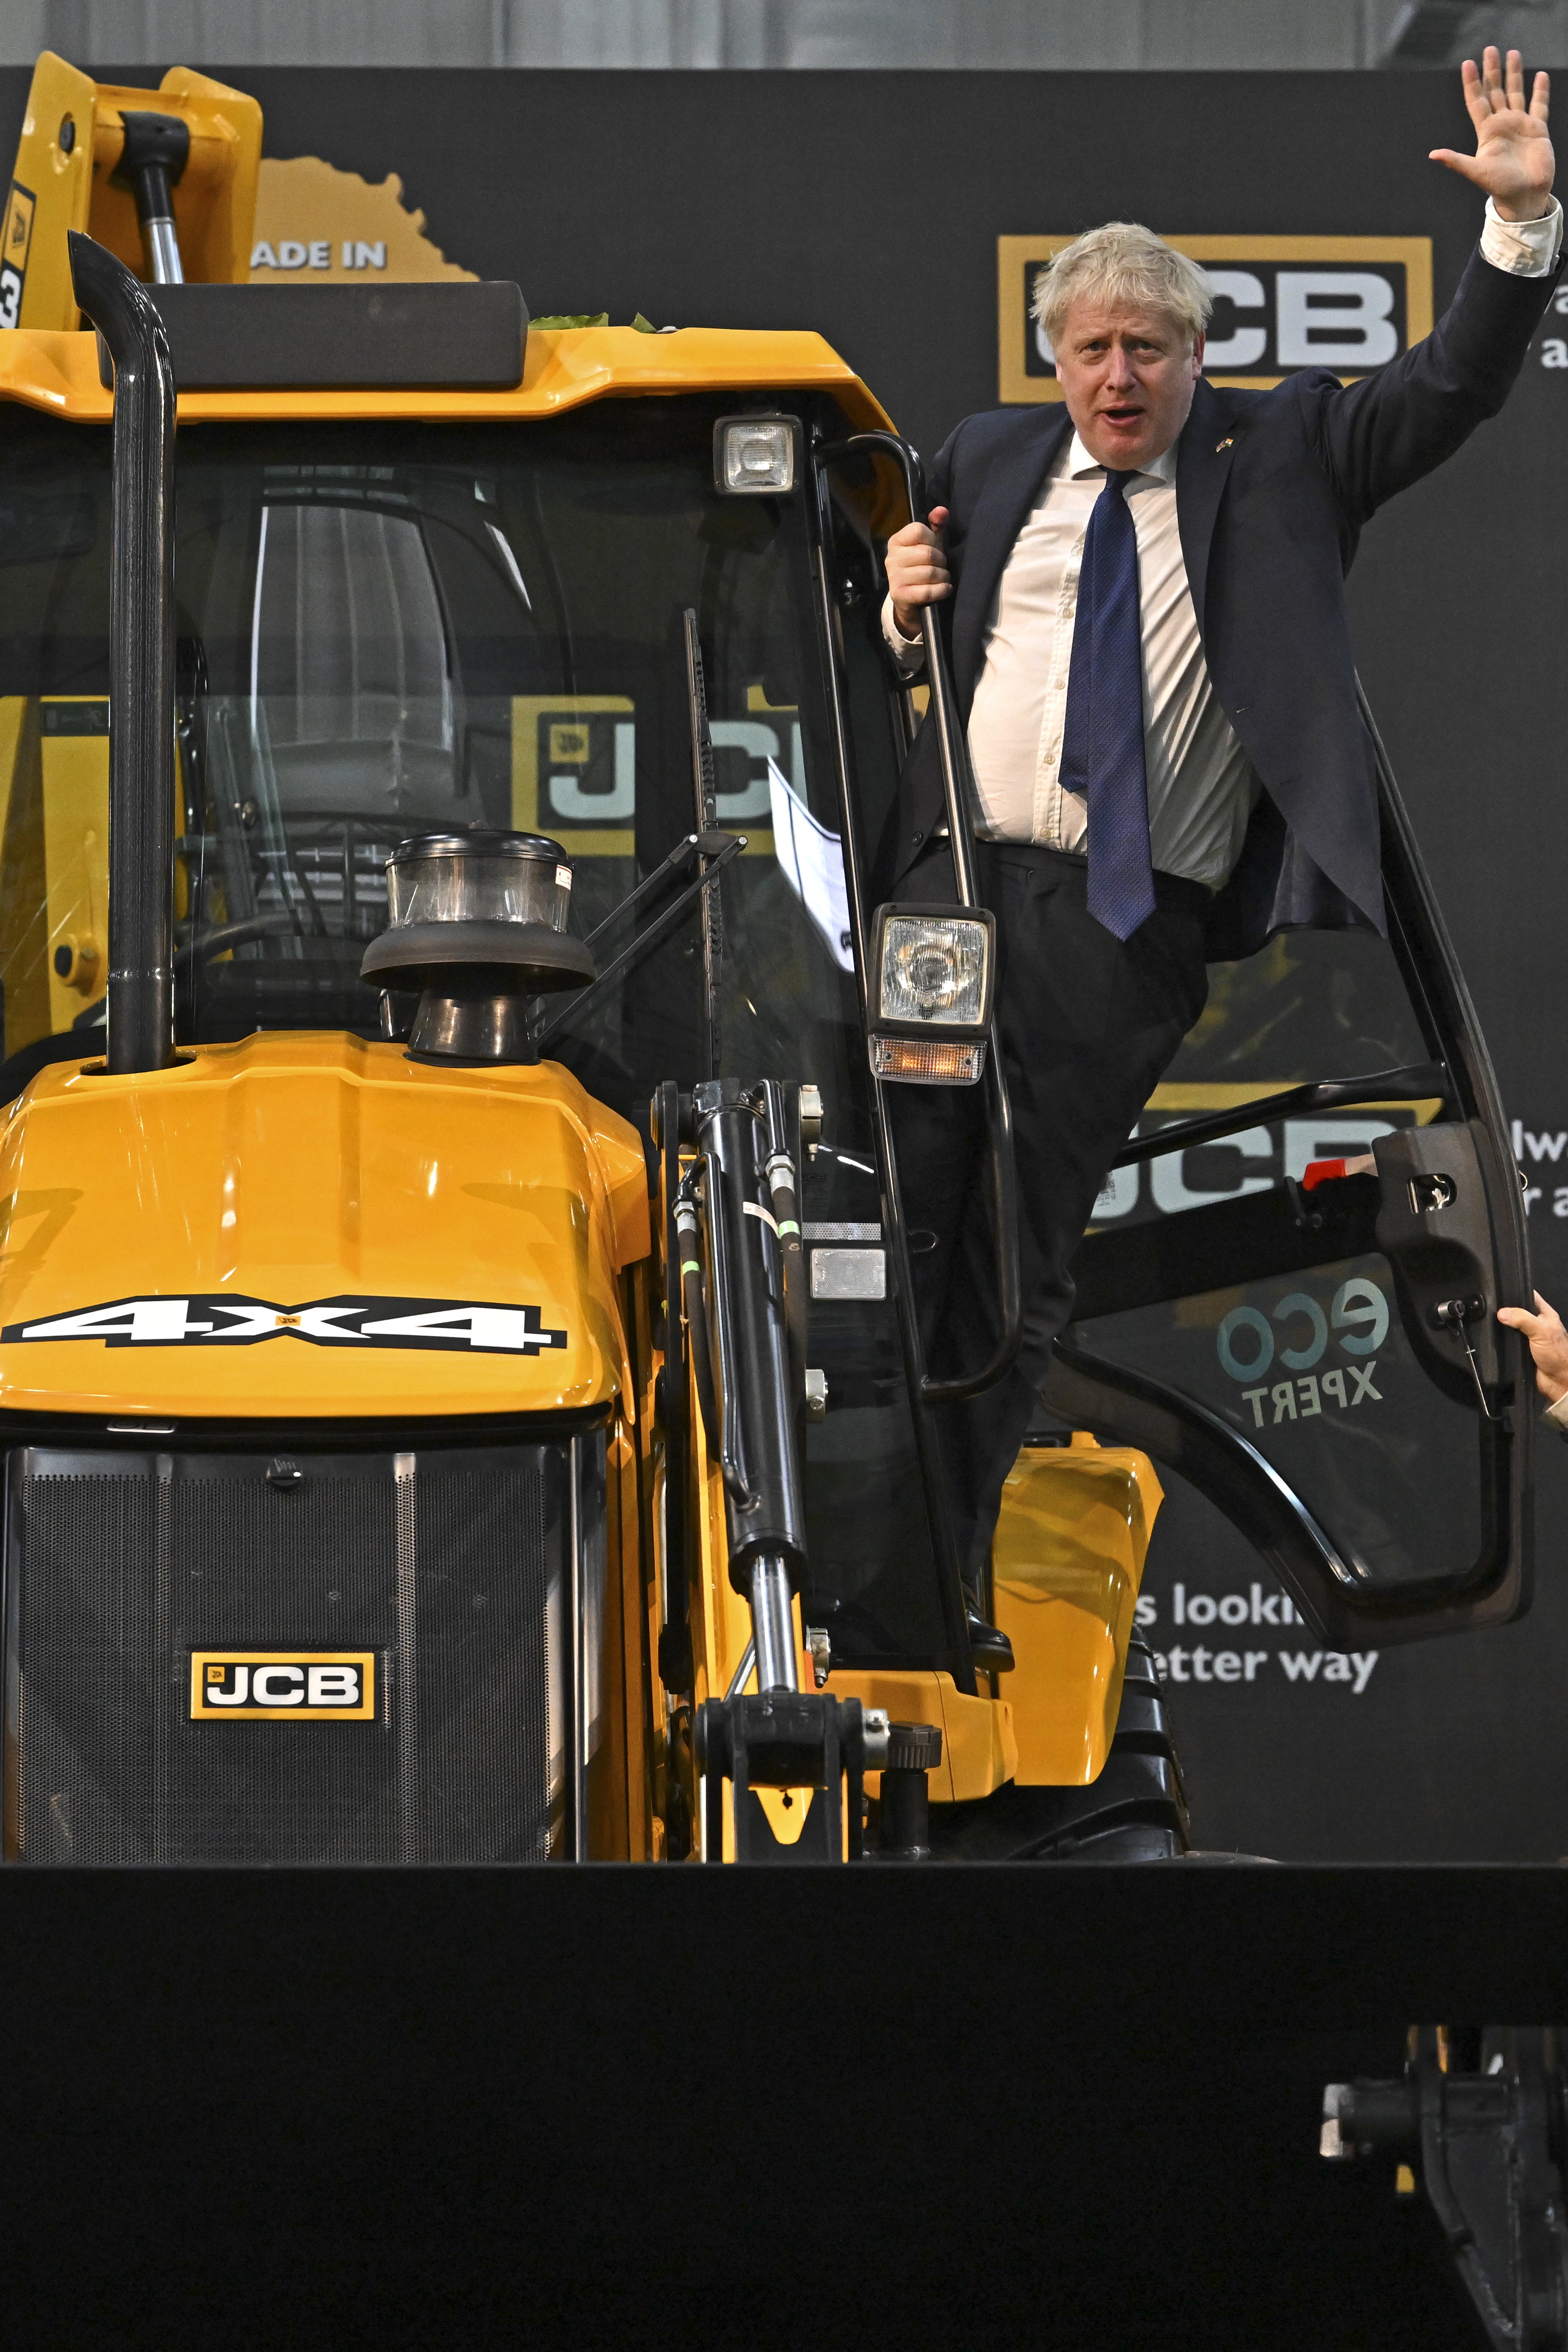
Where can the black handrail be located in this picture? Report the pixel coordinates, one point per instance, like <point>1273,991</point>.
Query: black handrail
<point>1417,1083</point>
<point>928,1451</point>
<point>141,662</point>
<point>958,793</point>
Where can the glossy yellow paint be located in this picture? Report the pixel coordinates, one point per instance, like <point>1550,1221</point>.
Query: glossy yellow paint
<point>979,1749</point>
<point>566,368</point>
<point>53,863</point>
<point>23,876</point>
<point>63,180</point>
<point>72,136</point>
<point>1065,1567</point>
<point>294,1167</point>
<point>75,774</point>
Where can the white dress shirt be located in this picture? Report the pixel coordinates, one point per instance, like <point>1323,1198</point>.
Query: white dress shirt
<point>1201,784</point>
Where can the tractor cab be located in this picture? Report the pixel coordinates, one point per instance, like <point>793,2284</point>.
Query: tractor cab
<point>460,1382</point>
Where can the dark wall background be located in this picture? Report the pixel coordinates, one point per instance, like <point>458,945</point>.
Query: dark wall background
<point>867,206</point>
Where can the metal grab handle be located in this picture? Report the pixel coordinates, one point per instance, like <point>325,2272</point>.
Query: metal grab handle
<point>958,793</point>
<point>141,662</point>
<point>952,749</point>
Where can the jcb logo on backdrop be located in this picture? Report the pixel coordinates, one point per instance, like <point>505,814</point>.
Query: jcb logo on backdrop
<point>283,1686</point>
<point>1281,303</point>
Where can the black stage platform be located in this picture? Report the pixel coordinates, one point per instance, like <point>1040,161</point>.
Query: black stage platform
<point>1069,2106</point>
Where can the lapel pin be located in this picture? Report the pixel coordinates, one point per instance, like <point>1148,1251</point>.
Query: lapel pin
<point>1225,443</point>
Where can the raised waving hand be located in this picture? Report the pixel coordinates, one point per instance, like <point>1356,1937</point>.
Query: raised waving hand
<point>1513,163</point>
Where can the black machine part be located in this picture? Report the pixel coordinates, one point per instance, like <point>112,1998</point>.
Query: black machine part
<point>959,802</point>
<point>479,931</point>
<point>411,338</point>
<point>1443,1209</point>
<point>1434,1228</point>
<point>671,1430</point>
<point>1482,2116</point>
<point>914,1750</point>
<point>758,1408</point>
<point>142,663</point>
<point>1329,1586</point>
<point>705,805</point>
<point>156,150</point>
<point>713,852</point>
<point>730,1278</point>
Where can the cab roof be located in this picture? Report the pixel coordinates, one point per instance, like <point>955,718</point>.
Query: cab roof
<point>565,368</point>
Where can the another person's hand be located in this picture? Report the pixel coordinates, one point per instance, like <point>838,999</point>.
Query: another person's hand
<point>916,571</point>
<point>1548,1344</point>
<point>1513,162</point>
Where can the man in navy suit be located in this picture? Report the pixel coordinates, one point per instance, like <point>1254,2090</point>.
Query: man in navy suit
<point>1153,659</point>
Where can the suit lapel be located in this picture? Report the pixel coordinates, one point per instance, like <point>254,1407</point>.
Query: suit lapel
<point>1202,465</point>
<point>1012,487</point>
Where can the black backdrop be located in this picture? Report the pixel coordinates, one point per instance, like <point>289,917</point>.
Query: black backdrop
<point>867,206</point>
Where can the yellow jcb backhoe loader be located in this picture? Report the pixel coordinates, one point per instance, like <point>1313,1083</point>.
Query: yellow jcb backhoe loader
<point>461,1391</point>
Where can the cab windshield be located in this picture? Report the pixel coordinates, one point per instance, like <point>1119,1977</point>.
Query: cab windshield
<point>385,629</point>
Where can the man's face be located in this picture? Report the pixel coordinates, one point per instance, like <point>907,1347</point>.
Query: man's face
<point>1128,376</point>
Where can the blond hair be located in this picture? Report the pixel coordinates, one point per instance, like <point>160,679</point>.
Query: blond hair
<point>1127,266</point>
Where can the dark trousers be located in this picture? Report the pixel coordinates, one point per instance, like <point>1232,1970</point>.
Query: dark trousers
<point>1088,1024</point>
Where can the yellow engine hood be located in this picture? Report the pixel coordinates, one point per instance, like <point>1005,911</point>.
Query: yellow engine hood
<point>306,1224</point>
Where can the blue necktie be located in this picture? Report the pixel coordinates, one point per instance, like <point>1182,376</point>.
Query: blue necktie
<point>1102,729</point>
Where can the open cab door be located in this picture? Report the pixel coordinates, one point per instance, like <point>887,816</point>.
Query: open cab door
<point>1289,1291</point>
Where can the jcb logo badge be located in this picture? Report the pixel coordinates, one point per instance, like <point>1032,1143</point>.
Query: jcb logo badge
<point>283,1686</point>
<point>1281,303</point>
<point>15,244</point>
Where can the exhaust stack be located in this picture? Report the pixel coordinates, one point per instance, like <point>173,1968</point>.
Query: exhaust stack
<point>142,663</point>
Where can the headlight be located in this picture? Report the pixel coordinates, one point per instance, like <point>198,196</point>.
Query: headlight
<point>932,970</point>
<point>755,455</point>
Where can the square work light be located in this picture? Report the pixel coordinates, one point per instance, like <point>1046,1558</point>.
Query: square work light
<point>755,456</point>
<point>932,970</point>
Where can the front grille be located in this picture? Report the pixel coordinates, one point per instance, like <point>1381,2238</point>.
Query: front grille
<point>448,1570</point>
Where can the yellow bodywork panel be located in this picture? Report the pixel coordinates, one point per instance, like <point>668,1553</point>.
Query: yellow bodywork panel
<point>565,368</point>
<point>53,861</point>
<point>979,1749</point>
<point>72,136</point>
<point>298,1168</point>
<point>1066,1563</point>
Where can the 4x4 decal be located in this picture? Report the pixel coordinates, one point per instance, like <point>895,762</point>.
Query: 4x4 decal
<point>224,1320</point>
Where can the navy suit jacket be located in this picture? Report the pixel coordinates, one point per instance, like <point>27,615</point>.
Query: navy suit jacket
<point>1272,490</point>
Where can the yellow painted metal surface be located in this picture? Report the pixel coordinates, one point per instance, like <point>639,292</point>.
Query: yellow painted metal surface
<point>1065,1567</point>
<point>53,862</point>
<point>566,368</point>
<point>72,136</point>
<point>294,1167</point>
<point>24,887</point>
<point>979,1747</point>
<point>75,776</point>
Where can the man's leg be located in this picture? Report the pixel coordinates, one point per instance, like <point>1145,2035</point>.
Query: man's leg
<point>1088,1023</point>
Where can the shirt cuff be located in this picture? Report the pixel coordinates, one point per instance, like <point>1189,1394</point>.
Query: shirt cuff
<point>1524,248</point>
<point>1557,1414</point>
<point>908,656</point>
